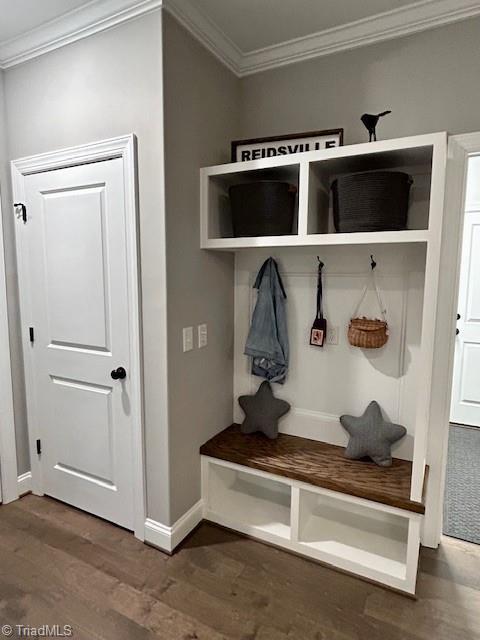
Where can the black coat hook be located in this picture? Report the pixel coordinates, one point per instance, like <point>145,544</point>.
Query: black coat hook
<point>373,264</point>
<point>320,263</point>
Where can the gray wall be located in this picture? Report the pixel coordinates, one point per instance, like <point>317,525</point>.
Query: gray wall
<point>20,412</point>
<point>201,117</point>
<point>107,85</point>
<point>111,84</point>
<point>430,80</point>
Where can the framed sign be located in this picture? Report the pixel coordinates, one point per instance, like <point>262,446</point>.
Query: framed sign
<point>258,148</point>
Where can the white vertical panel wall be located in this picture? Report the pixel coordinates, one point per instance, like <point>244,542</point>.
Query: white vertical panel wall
<point>325,382</point>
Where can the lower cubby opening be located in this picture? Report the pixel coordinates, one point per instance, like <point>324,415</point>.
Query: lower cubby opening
<point>249,500</point>
<point>355,533</point>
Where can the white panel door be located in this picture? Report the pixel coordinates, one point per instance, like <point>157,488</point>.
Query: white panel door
<point>466,379</point>
<point>77,267</point>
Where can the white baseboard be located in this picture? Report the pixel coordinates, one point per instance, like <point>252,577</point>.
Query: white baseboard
<point>167,538</point>
<point>24,483</point>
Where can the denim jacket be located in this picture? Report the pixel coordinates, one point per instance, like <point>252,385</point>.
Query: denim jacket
<point>267,340</point>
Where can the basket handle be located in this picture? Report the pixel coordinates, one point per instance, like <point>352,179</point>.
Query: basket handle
<point>381,305</point>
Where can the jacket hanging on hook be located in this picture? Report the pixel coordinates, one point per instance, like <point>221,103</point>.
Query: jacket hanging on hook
<point>267,341</point>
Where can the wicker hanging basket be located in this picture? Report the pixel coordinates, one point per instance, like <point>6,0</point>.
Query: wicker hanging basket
<point>367,334</point>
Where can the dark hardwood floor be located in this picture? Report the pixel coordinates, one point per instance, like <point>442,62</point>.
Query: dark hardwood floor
<point>61,566</point>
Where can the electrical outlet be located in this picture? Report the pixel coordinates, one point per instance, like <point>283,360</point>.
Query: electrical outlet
<point>187,339</point>
<point>332,335</point>
<point>202,336</point>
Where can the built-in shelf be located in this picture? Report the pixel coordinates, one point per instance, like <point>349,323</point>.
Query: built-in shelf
<point>313,173</point>
<point>303,495</point>
<point>320,239</point>
<point>260,504</point>
<point>372,538</point>
<point>317,463</point>
<point>275,491</point>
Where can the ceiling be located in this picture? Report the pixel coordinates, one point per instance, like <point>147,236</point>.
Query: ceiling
<point>247,35</point>
<point>255,24</point>
<point>20,16</point>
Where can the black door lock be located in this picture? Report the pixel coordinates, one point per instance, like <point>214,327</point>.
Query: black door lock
<point>23,210</point>
<point>119,374</point>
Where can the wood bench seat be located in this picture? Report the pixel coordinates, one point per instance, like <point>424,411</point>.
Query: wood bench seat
<point>316,463</point>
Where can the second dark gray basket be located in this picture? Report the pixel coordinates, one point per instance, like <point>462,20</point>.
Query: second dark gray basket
<point>371,201</point>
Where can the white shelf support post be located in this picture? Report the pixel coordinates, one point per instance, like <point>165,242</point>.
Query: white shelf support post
<point>295,514</point>
<point>204,209</point>
<point>303,191</point>
<point>204,484</point>
<point>413,550</point>
<point>429,316</point>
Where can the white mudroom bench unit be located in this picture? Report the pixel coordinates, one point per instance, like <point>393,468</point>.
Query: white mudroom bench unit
<point>303,495</point>
<point>299,492</point>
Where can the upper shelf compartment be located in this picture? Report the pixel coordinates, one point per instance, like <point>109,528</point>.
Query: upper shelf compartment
<point>312,174</point>
<point>215,201</point>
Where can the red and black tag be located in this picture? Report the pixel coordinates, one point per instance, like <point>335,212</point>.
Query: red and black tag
<point>318,332</point>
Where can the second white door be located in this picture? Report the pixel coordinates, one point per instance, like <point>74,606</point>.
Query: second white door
<point>77,266</point>
<point>466,379</point>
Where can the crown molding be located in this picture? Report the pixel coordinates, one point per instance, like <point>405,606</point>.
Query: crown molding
<point>99,15</point>
<point>397,23</point>
<point>82,22</point>
<point>419,16</point>
<point>207,32</point>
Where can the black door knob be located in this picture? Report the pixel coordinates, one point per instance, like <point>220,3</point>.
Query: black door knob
<point>119,374</point>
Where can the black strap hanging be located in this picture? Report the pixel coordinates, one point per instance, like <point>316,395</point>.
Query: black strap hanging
<point>319,290</point>
<point>318,332</point>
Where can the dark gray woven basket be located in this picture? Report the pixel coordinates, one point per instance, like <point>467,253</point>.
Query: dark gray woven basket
<point>371,201</point>
<point>262,208</point>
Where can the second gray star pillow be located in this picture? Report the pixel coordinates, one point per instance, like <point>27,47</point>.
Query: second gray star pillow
<point>371,436</point>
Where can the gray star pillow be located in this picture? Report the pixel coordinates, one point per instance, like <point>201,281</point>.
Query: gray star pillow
<point>371,435</point>
<point>262,411</point>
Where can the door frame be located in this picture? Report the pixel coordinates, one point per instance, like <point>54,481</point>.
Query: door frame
<point>460,148</point>
<point>8,448</point>
<point>123,147</point>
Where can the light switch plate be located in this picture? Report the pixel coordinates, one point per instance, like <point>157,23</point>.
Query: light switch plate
<point>187,339</point>
<point>202,336</point>
<point>332,335</point>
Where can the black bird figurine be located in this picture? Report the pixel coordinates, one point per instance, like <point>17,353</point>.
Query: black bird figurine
<point>371,121</point>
